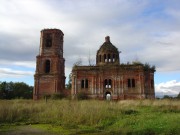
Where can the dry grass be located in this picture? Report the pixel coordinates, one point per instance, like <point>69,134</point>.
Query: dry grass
<point>123,116</point>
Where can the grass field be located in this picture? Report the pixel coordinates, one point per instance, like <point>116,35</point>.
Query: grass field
<point>69,117</point>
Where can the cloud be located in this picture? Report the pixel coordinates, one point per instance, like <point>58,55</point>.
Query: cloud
<point>167,88</point>
<point>7,72</point>
<point>147,30</point>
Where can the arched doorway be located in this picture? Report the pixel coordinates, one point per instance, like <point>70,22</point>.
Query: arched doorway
<point>108,95</point>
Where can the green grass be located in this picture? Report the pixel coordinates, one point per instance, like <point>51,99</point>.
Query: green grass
<point>93,116</point>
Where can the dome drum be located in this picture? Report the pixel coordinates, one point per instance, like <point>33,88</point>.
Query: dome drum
<point>107,54</point>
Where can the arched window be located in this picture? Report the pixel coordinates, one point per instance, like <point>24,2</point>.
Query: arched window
<point>113,57</point>
<point>99,58</point>
<point>105,59</point>
<point>47,66</point>
<point>110,83</point>
<point>107,83</point>
<point>109,58</point>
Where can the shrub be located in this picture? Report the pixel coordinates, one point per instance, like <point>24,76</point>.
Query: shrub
<point>58,96</point>
<point>82,96</point>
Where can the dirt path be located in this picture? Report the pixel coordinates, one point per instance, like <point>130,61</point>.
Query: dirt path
<point>27,130</point>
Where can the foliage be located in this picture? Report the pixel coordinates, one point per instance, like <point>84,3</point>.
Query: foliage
<point>136,63</point>
<point>78,63</point>
<point>13,90</point>
<point>146,66</point>
<point>69,85</point>
<point>178,96</point>
<point>58,96</point>
<point>95,117</point>
<point>167,97</point>
<point>82,96</point>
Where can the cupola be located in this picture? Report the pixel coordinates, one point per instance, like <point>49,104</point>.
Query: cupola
<point>107,53</point>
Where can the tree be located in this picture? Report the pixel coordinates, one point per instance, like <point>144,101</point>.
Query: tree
<point>78,62</point>
<point>167,97</point>
<point>178,96</point>
<point>15,90</point>
<point>90,60</point>
<point>69,85</point>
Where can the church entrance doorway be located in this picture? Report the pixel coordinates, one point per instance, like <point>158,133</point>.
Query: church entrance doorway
<point>108,95</point>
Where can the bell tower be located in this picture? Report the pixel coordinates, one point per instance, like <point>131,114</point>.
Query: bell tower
<point>49,76</point>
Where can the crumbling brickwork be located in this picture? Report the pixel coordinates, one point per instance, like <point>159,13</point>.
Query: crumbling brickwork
<point>109,77</point>
<point>49,77</point>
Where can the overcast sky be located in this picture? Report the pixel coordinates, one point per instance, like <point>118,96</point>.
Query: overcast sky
<point>143,30</point>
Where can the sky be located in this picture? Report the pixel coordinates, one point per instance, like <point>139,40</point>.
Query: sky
<point>143,30</point>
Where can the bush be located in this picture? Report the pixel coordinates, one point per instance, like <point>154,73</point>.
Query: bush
<point>178,96</point>
<point>82,96</point>
<point>58,96</point>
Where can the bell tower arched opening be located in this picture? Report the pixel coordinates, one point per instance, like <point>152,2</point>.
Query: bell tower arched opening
<point>47,66</point>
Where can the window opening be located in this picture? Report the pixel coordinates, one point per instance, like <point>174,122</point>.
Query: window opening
<point>47,66</point>
<point>82,83</point>
<point>131,83</point>
<point>99,58</point>
<point>108,95</point>
<point>109,57</point>
<point>105,59</point>
<point>113,57</point>
<point>107,83</point>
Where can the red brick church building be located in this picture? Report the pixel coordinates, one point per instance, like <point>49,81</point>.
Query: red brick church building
<point>110,79</point>
<point>107,79</point>
<point>49,76</point>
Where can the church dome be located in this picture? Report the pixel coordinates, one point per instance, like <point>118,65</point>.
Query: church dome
<point>107,53</point>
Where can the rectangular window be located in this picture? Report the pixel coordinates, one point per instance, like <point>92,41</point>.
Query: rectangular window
<point>82,83</point>
<point>131,83</point>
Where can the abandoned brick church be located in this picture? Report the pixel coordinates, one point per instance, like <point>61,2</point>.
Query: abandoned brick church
<point>107,78</point>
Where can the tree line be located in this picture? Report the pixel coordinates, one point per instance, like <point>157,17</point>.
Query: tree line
<point>15,90</point>
<point>170,97</point>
